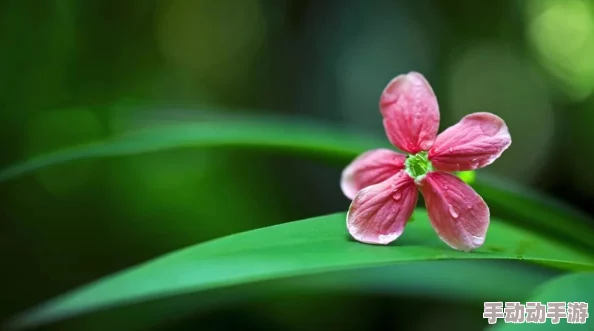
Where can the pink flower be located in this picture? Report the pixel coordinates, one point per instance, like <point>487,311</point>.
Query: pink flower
<point>383,183</point>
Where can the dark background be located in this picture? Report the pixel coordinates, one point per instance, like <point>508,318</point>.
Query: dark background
<point>75,71</point>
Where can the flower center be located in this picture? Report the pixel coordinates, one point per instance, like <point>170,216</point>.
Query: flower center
<point>418,165</point>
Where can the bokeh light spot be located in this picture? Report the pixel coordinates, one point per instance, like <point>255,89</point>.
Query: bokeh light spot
<point>562,34</point>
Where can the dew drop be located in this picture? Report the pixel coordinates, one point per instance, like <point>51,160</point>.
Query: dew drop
<point>458,167</point>
<point>445,187</point>
<point>453,211</point>
<point>451,150</point>
<point>397,196</point>
<point>469,207</point>
<point>477,240</point>
<point>474,163</point>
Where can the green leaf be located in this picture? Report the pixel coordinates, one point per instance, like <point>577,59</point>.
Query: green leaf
<point>578,287</point>
<point>469,177</point>
<point>521,205</point>
<point>293,136</point>
<point>536,211</point>
<point>300,248</point>
<point>448,280</point>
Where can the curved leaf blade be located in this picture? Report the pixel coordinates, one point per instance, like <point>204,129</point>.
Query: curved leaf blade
<point>448,280</point>
<point>295,136</point>
<point>299,248</point>
<point>554,218</point>
<point>522,205</point>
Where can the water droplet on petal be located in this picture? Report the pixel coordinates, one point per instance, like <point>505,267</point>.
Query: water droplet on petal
<point>469,207</point>
<point>474,163</point>
<point>477,240</point>
<point>453,211</point>
<point>458,167</point>
<point>397,196</point>
<point>451,150</point>
<point>445,187</point>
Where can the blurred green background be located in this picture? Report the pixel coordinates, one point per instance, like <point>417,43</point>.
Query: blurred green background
<point>76,71</point>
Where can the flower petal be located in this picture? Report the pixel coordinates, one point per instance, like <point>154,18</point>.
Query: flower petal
<point>370,168</point>
<point>379,212</point>
<point>474,142</point>
<point>411,113</point>
<point>458,214</point>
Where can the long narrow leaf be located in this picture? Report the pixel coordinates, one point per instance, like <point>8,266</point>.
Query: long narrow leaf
<point>520,205</point>
<point>300,248</point>
<point>536,211</point>
<point>294,136</point>
<point>449,281</point>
